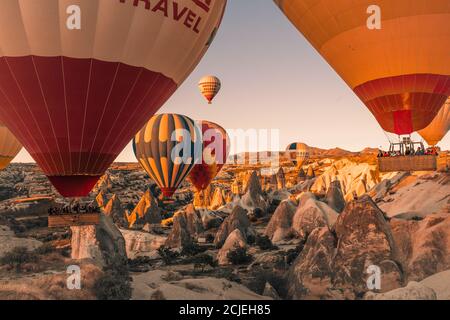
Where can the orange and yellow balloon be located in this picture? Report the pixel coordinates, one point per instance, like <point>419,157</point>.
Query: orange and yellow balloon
<point>9,146</point>
<point>399,67</point>
<point>439,127</point>
<point>209,87</point>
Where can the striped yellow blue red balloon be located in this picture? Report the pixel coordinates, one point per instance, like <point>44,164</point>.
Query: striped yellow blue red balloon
<point>168,147</point>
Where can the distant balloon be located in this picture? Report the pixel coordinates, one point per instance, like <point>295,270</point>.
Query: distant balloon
<point>215,151</point>
<point>74,89</point>
<point>167,147</point>
<point>439,127</point>
<point>9,146</point>
<point>209,87</point>
<point>401,71</point>
<point>298,153</point>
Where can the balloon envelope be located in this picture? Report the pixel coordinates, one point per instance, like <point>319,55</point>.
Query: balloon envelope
<point>209,87</point>
<point>9,146</point>
<point>160,146</point>
<point>215,151</point>
<point>75,97</point>
<point>400,71</point>
<point>298,153</point>
<point>439,127</point>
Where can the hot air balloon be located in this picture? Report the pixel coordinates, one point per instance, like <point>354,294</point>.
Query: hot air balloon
<point>401,71</point>
<point>216,148</point>
<point>79,78</point>
<point>439,127</point>
<point>298,153</point>
<point>209,87</point>
<point>168,147</point>
<point>9,146</point>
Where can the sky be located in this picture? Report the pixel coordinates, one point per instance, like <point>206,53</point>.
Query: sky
<point>272,78</point>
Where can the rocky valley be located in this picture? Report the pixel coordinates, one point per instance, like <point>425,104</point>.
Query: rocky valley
<point>314,232</point>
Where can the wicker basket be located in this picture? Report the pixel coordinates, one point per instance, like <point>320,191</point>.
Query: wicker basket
<point>407,163</point>
<point>71,220</point>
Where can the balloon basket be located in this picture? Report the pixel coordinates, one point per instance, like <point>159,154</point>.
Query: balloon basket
<point>407,163</point>
<point>73,220</point>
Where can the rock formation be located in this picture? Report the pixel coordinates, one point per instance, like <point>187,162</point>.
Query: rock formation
<point>115,210</point>
<point>273,183</point>
<point>311,275</point>
<point>423,246</point>
<point>269,291</point>
<point>440,283</point>
<point>104,185</point>
<point>209,219</point>
<point>101,243</point>
<point>142,244</point>
<point>413,291</point>
<point>236,187</point>
<point>202,199</point>
<point>417,195</point>
<point>164,285</point>
<point>301,175</point>
<point>101,199</point>
<point>281,179</point>
<point>187,225</point>
<point>312,214</point>
<point>334,197</point>
<point>335,266</point>
<point>310,174</point>
<point>235,240</point>
<point>365,239</point>
<point>280,225</point>
<point>217,200</point>
<point>9,241</point>
<point>238,219</point>
<point>354,177</point>
<point>147,211</point>
<point>253,199</point>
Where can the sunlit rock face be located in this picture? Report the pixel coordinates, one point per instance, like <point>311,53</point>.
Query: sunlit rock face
<point>146,211</point>
<point>114,209</point>
<point>354,178</point>
<point>254,199</point>
<point>187,226</point>
<point>101,243</point>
